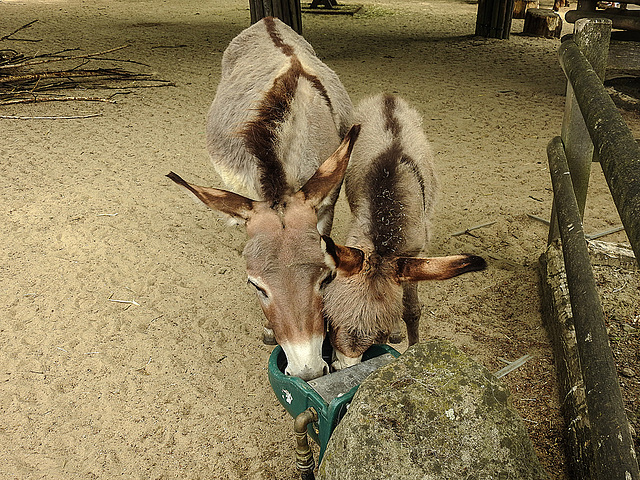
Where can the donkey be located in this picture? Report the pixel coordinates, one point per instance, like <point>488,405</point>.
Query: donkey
<point>278,113</point>
<point>390,186</point>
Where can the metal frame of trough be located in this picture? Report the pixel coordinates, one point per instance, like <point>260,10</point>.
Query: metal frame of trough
<point>599,436</point>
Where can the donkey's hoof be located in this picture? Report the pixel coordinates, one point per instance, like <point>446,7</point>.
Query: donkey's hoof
<point>268,337</point>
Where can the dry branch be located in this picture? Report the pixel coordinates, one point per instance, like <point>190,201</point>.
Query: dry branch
<point>30,77</point>
<point>56,58</point>
<point>23,77</point>
<point>8,36</point>
<point>56,99</point>
<point>55,117</point>
<point>470,229</point>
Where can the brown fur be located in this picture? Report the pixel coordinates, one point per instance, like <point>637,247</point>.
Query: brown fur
<point>275,37</point>
<point>261,134</point>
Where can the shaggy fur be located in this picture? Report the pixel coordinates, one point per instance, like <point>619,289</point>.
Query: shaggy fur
<point>390,186</point>
<point>391,162</point>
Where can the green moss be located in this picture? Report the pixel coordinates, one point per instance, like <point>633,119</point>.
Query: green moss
<point>506,442</point>
<point>406,411</point>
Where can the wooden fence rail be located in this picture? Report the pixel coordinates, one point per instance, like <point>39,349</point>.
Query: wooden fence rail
<point>614,144</point>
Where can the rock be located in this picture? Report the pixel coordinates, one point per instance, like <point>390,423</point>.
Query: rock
<point>432,414</point>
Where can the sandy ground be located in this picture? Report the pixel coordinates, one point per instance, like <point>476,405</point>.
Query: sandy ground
<point>175,385</point>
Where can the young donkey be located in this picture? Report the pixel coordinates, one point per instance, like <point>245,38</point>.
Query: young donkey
<point>390,186</point>
<point>278,113</point>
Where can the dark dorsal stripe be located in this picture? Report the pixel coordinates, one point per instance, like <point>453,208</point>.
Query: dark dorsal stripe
<point>387,195</point>
<point>385,204</point>
<point>260,137</point>
<point>391,121</point>
<point>288,51</point>
<point>260,133</point>
<point>276,38</point>
<point>393,125</point>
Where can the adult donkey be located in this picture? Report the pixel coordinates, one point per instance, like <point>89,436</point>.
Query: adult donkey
<point>278,113</point>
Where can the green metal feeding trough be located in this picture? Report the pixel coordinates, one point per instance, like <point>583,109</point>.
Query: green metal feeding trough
<point>328,397</point>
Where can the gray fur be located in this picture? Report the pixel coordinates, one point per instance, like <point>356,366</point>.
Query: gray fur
<point>311,129</point>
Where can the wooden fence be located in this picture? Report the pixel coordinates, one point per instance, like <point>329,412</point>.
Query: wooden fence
<point>601,446</point>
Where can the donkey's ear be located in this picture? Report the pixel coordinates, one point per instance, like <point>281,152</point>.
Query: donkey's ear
<point>347,260</point>
<point>410,269</point>
<point>237,206</point>
<point>331,172</point>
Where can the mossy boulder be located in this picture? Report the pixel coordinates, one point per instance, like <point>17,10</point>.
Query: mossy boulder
<point>434,413</point>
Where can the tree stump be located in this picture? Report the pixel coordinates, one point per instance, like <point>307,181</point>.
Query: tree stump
<point>521,6</point>
<point>542,22</point>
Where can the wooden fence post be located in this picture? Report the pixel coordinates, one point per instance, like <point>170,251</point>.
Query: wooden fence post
<point>616,148</point>
<point>289,11</point>
<point>494,18</point>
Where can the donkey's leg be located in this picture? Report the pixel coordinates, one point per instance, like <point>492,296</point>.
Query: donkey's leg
<point>411,310</point>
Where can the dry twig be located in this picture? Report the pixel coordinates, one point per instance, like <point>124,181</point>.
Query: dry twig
<point>8,36</point>
<point>36,99</point>
<point>55,58</point>
<point>101,72</point>
<point>512,366</point>
<point>129,302</point>
<point>22,77</point>
<point>470,229</point>
<point>539,219</point>
<point>53,117</point>
<point>594,236</point>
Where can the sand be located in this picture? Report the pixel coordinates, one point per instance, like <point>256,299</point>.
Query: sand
<point>130,343</point>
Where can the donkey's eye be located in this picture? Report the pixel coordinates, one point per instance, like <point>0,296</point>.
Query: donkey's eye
<point>327,279</point>
<point>261,291</point>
